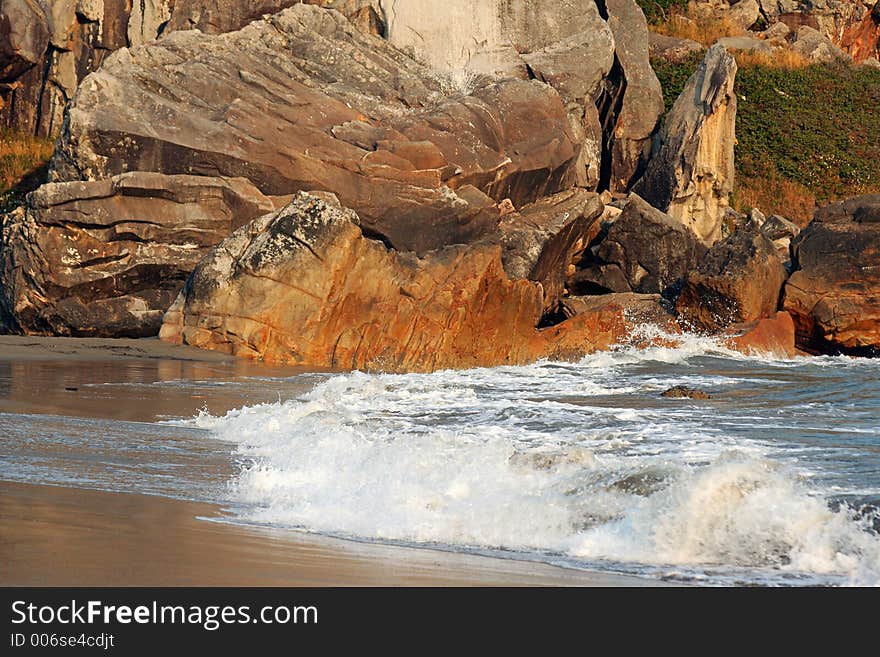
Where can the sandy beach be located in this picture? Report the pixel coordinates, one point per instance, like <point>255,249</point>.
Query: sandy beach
<point>60,536</point>
<point>54,536</point>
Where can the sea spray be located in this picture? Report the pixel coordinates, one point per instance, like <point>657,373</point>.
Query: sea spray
<point>577,461</point>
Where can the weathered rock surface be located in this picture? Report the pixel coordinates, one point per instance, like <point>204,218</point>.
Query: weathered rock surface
<point>744,13</point>
<point>771,336</point>
<point>24,37</point>
<point>834,294</point>
<point>304,101</point>
<point>816,47</point>
<point>739,280</point>
<point>637,309</point>
<point>48,46</point>
<point>781,232</point>
<point>303,286</point>
<point>107,258</point>
<point>641,98</point>
<point>543,241</point>
<point>690,175</point>
<point>862,39</point>
<point>645,251</point>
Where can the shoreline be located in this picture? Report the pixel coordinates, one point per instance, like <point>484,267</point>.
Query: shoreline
<point>52,535</point>
<point>59,536</point>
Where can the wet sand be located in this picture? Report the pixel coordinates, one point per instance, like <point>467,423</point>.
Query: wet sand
<point>54,536</point>
<point>57,536</point>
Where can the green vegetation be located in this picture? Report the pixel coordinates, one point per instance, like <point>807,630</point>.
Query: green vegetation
<point>24,160</point>
<point>657,11</point>
<point>804,135</point>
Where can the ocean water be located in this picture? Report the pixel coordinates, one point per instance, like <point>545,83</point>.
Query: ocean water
<point>775,480</point>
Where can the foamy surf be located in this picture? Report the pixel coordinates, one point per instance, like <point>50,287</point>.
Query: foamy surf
<point>584,464</point>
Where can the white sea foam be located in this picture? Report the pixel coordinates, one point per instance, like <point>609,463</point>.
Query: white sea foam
<point>532,458</point>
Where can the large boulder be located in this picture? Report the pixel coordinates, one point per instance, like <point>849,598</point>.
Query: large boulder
<point>543,241</point>
<point>816,47</point>
<point>645,251</point>
<point>690,176</point>
<point>304,101</point>
<point>738,281</point>
<point>834,294</point>
<point>304,286</point>
<point>107,258</point>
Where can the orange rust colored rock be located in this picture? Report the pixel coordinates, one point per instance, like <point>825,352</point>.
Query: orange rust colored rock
<point>772,337</point>
<point>862,40</point>
<point>303,286</point>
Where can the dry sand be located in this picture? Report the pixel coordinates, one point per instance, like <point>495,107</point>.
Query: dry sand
<point>68,536</point>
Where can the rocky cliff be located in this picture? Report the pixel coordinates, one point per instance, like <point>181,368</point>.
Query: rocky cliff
<point>320,187</point>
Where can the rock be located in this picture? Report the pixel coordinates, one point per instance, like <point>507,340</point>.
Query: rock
<point>484,36</point>
<point>671,49</point>
<point>24,37</point>
<point>744,13</point>
<point>816,47</point>
<point>53,45</point>
<point>577,65</point>
<point>774,8</point>
<point>637,309</point>
<point>304,101</point>
<point>781,232</point>
<point>219,16</point>
<point>861,40</point>
<point>645,251</point>
<point>834,293</point>
<point>739,280</point>
<point>107,258</point>
<point>690,175</point>
<point>544,240</point>
<point>746,43</point>
<point>641,105</point>
<point>777,227</point>
<point>303,286</point>
<point>683,392</point>
<point>773,336</point>
<point>757,217</point>
<point>776,31</point>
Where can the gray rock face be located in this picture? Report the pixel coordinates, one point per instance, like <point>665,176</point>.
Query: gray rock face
<point>645,251</point>
<point>690,175</point>
<point>484,36</point>
<point>816,47</point>
<point>544,240</point>
<point>107,258</point>
<point>24,36</point>
<point>304,101</point>
<point>740,280</point>
<point>745,13</point>
<point>641,98</point>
